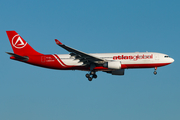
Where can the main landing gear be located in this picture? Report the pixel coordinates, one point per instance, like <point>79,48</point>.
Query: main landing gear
<point>155,71</point>
<point>91,75</point>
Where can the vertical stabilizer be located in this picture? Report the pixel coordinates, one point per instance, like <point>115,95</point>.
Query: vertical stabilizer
<point>19,45</point>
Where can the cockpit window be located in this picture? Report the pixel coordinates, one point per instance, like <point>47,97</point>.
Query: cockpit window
<point>166,56</point>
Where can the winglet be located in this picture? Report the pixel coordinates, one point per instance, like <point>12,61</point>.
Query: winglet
<point>58,42</point>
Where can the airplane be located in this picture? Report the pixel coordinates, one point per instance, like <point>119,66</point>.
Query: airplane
<point>113,63</point>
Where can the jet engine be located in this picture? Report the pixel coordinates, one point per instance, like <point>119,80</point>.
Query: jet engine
<point>113,65</point>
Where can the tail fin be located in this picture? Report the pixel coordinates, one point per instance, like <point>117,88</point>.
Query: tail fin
<point>19,45</point>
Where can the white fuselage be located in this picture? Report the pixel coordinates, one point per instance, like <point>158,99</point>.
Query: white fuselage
<point>124,58</point>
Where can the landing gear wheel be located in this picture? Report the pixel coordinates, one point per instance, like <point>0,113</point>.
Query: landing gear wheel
<point>94,76</point>
<point>90,79</point>
<point>87,75</point>
<point>155,72</point>
<point>92,73</point>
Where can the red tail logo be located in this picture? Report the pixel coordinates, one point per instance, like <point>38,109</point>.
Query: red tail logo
<point>18,42</point>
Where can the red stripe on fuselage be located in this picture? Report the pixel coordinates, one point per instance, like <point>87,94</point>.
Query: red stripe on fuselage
<point>126,66</point>
<point>61,62</point>
<point>151,65</point>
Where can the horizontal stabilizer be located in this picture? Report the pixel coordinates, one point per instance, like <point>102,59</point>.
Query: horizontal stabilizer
<point>23,58</point>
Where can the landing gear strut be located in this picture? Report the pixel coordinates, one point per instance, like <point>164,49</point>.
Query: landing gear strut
<point>91,75</point>
<point>155,71</point>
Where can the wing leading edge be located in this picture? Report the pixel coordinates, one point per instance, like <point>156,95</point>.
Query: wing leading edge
<point>81,56</point>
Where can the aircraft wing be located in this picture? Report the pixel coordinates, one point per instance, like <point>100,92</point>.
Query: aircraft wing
<point>83,57</point>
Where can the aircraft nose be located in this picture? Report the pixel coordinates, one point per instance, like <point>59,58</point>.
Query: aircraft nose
<point>172,60</point>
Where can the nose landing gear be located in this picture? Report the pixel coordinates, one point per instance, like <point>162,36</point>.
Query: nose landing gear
<point>155,71</point>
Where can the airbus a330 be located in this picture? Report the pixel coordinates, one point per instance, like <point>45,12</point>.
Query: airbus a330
<point>113,63</point>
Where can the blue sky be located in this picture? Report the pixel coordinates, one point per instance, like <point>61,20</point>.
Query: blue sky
<point>96,26</point>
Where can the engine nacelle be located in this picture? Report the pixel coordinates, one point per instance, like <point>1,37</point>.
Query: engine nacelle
<point>113,65</point>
